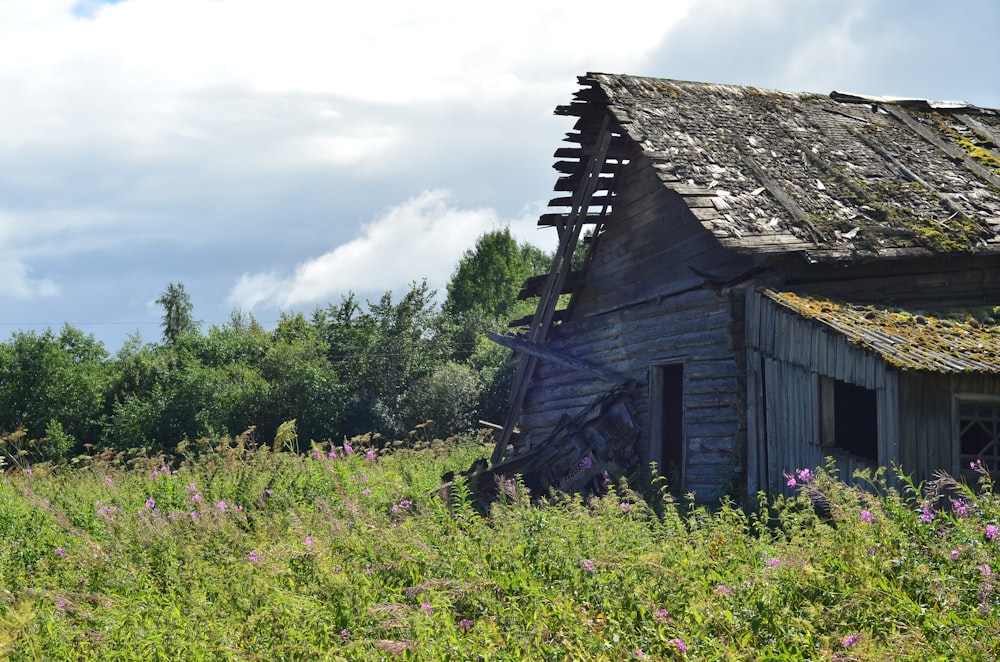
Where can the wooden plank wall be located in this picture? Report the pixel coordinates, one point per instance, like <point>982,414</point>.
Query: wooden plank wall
<point>927,419</point>
<point>633,312</point>
<point>789,353</point>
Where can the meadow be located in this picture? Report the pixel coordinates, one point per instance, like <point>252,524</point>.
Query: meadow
<point>231,550</point>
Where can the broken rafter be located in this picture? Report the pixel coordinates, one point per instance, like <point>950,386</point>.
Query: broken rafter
<point>552,356</point>
<point>540,323</point>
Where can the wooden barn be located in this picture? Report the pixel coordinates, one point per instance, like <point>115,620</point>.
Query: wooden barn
<point>750,281</point>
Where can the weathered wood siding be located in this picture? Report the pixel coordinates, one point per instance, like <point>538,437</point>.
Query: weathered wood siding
<point>641,304</point>
<point>786,356</point>
<point>927,420</point>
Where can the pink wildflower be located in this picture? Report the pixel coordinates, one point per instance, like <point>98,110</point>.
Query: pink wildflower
<point>991,531</point>
<point>60,552</point>
<point>252,556</point>
<point>370,455</point>
<point>927,515</point>
<point>722,589</point>
<point>221,506</point>
<point>348,448</point>
<point>150,503</point>
<point>866,516</point>
<point>955,554</point>
<point>588,565</point>
<point>804,475</point>
<point>308,541</point>
<point>429,610</point>
<point>661,616</point>
<point>791,482</point>
<point>851,640</point>
<point>465,624</point>
<point>366,491</point>
<point>680,645</point>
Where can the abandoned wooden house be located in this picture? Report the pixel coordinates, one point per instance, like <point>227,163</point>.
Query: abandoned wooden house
<point>767,279</point>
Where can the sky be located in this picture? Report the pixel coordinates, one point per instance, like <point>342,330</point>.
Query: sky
<point>274,155</point>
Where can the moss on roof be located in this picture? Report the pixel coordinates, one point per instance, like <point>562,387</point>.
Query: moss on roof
<point>951,340</point>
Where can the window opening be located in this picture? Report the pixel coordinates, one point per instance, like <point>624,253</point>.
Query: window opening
<point>849,418</point>
<point>979,433</point>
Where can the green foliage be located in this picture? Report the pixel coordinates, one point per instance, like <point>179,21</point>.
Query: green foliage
<point>349,554</point>
<point>46,378</point>
<point>177,309</point>
<point>488,277</point>
<point>446,398</point>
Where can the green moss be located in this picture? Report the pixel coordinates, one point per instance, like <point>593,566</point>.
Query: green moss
<point>972,143</point>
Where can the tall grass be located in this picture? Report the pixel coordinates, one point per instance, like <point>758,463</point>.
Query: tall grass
<point>250,554</point>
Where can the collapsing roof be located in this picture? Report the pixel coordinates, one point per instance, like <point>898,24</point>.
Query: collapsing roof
<point>838,176</point>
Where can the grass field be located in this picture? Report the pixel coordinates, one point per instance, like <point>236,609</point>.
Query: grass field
<point>243,553</point>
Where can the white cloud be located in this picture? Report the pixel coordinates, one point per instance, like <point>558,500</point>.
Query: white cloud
<point>16,281</point>
<point>422,238</point>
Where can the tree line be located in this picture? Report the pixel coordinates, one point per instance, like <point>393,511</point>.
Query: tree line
<point>387,367</point>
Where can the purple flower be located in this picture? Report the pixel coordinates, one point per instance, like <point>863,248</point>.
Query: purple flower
<point>150,503</point>
<point>60,552</point>
<point>804,475</point>
<point>680,645</point>
<point>268,492</point>
<point>252,557</point>
<point>625,507</point>
<point>991,531</point>
<point>196,498</point>
<point>429,610</point>
<point>955,554</point>
<point>985,570</point>
<point>308,541</point>
<point>586,462</point>
<point>109,481</point>
<point>960,507</point>
<point>772,563</point>
<point>866,516</point>
<point>791,482</point>
<point>154,475</point>
<point>345,633</point>
<point>194,515</point>
<point>639,654</point>
<point>370,455</point>
<point>588,565</point>
<point>722,589</point>
<point>661,616</point>
<point>465,624</point>
<point>332,454</point>
<point>366,491</point>
<point>191,487</point>
<point>927,515</point>
<point>60,603</point>
<point>316,454</point>
<point>851,640</point>
<point>221,506</point>
<point>348,448</point>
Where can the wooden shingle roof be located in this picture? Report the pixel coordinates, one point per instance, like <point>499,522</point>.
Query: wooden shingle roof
<point>835,176</point>
<point>952,341</point>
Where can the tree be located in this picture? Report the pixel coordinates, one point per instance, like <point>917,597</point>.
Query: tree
<point>489,277</point>
<point>53,386</point>
<point>381,352</point>
<point>177,308</point>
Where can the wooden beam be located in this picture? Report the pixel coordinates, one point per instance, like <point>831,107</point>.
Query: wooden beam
<point>948,148</point>
<point>542,320</point>
<point>552,356</point>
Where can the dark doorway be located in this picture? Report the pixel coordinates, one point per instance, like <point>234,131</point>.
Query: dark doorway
<point>667,421</point>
